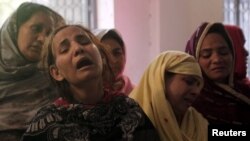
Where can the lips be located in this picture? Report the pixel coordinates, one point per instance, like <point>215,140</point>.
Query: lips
<point>36,48</point>
<point>218,69</point>
<point>84,62</point>
<point>189,99</point>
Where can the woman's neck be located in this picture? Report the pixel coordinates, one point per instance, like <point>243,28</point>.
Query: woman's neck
<point>179,116</point>
<point>88,93</point>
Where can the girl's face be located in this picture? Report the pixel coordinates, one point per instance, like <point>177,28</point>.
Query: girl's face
<point>77,59</point>
<point>181,91</point>
<point>216,58</point>
<point>116,54</point>
<point>32,34</point>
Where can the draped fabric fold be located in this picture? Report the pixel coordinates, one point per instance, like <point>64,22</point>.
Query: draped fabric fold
<point>220,103</point>
<point>23,87</point>
<point>150,94</point>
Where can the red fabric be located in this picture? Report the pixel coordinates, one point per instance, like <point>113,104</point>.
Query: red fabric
<point>220,107</point>
<point>238,40</point>
<point>192,42</point>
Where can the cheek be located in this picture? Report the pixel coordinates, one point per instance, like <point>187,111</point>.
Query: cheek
<point>119,64</point>
<point>229,61</point>
<point>24,39</point>
<point>63,63</point>
<point>96,56</point>
<point>122,61</point>
<point>203,64</point>
<point>173,92</point>
<point>21,40</point>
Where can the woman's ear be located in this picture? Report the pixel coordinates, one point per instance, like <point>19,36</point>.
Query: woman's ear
<point>55,73</point>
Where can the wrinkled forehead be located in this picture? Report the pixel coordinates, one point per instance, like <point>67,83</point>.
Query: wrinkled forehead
<point>214,40</point>
<point>68,33</point>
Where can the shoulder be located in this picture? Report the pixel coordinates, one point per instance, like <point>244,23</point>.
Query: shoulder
<point>131,110</point>
<point>136,121</point>
<point>193,114</point>
<point>126,107</point>
<point>45,117</point>
<point>124,101</point>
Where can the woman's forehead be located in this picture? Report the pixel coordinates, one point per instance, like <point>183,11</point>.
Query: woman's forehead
<point>69,32</point>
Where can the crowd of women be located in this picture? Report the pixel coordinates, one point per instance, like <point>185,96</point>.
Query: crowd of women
<point>63,82</point>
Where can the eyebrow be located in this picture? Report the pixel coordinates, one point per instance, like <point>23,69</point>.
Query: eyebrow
<point>206,49</point>
<point>219,47</point>
<point>117,48</point>
<point>81,35</point>
<point>195,79</point>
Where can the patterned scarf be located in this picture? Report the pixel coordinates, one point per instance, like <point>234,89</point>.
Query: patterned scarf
<point>116,117</point>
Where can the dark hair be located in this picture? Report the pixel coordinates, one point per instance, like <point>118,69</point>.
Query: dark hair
<point>168,75</point>
<point>27,9</point>
<point>112,34</point>
<point>220,29</point>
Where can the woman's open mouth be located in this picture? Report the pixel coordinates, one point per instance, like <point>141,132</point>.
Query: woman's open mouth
<point>83,63</point>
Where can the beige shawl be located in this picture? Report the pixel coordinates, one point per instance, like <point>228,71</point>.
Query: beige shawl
<point>24,89</point>
<point>150,94</point>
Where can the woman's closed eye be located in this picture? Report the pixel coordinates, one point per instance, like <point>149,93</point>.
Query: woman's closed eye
<point>64,46</point>
<point>82,39</point>
<point>190,80</point>
<point>117,52</point>
<point>38,28</point>
<point>205,53</point>
<point>224,51</point>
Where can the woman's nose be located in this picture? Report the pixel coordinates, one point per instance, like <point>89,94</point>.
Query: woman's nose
<point>78,49</point>
<point>196,90</point>
<point>41,37</point>
<point>216,57</point>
